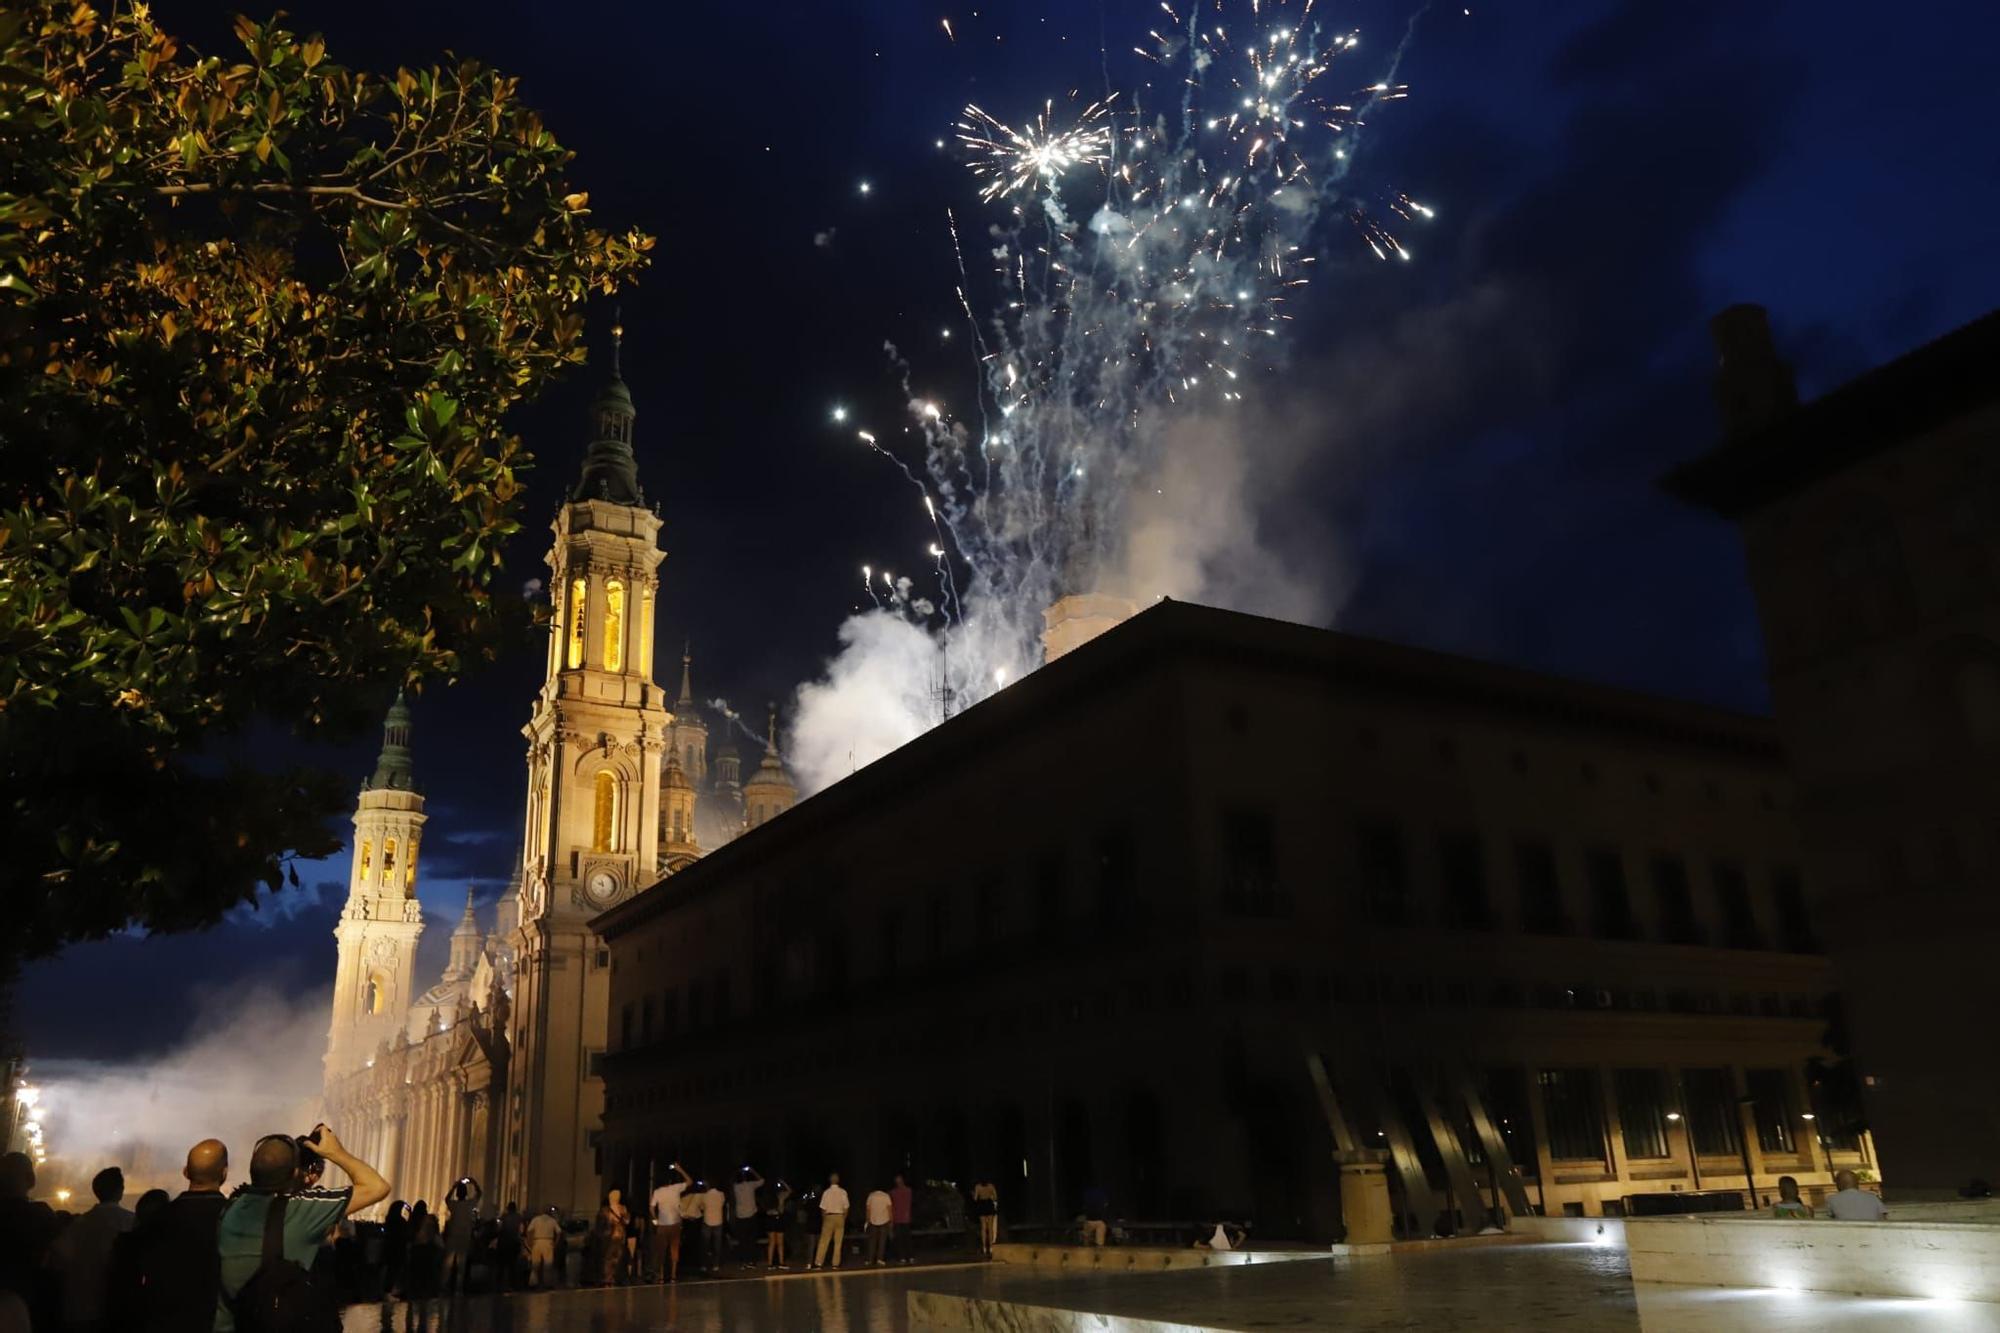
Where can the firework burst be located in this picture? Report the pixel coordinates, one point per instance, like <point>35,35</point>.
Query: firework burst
<point>1139,276</point>
<point>1010,159</point>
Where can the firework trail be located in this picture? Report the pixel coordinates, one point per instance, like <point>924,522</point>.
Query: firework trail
<point>1140,271</point>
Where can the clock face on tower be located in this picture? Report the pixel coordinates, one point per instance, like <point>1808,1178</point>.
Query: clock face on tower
<point>602,886</point>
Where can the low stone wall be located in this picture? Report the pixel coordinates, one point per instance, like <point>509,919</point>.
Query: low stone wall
<point>1571,1230</point>
<point>1140,1258</point>
<point>1935,1260</point>
<point>927,1310</point>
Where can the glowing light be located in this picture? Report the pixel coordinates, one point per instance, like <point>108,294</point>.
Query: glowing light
<point>1012,159</point>
<point>839,415</point>
<point>866,189</point>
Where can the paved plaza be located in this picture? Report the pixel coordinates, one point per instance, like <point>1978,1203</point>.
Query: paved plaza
<point>1560,1286</point>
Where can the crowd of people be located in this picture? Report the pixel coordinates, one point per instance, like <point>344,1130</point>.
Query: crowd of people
<point>250,1261</point>
<point>759,1224</point>
<point>280,1251</point>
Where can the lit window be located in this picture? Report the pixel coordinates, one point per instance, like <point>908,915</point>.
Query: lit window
<point>388,860</point>
<point>374,996</point>
<point>410,866</point>
<point>646,633</point>
<point>577,593</point>
<point>367,855</point>
<point>614,626</point>
<point>606,812</point>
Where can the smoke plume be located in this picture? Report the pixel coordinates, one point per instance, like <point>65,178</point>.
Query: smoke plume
<point>249,1066</point>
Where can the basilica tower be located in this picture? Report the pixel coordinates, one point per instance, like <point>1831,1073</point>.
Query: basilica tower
<point>596,740</point>
<point>378,929</point>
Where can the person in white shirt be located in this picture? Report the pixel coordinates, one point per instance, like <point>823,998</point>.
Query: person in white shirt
<point>714,1203</point>
<point>743,1211</point>
<point>832,1222</point>
<point>1850,1203</point>
<point>666,1205</point>
<point>82,1252</point>
<point>542,1231</point>
<point>881,1216</point>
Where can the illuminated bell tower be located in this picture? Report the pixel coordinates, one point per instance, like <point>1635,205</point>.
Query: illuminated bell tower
<point>596,738</point>
<point>377,933</point>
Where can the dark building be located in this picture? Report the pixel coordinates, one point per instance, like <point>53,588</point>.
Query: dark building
<point>1091,930</point>
<point>1871,521</point>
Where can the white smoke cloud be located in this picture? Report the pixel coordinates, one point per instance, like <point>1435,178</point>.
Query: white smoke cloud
<point>249,1066</point>
<point>876,695</point>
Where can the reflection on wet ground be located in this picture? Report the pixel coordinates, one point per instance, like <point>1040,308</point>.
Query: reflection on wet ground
<point>1584,1287</point>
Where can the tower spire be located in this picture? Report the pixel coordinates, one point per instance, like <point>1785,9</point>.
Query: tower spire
<point>392,766</point>
<point>771,732</point>
<point>610,472</point>
<point>686,701</point>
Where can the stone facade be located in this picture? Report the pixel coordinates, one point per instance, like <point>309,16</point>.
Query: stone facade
<point>1871,520</point>
<point>1101,927</point>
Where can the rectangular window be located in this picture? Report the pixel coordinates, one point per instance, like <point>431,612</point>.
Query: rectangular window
<point>1732,899</point>
<point>1836,1102</point>
<point>625,1027</point>
<point>1788,895</point>
<point>1642,1111</point>
<point>1711,1111</point>
<point>1610,902</point>
<point>1675,901</point>
<point>1051,888</point>
<point>1541,892</point>
<point>1462,868</point>
<point>1773,1111</point>
<point>1382,864</point>
<point>986,912</point>
<point>1117,873</point>
<point>940,924</point>
<point>1574,1112</point>
<point>646,1019</point>
<point>1249,862</point>
<point>890,931</point>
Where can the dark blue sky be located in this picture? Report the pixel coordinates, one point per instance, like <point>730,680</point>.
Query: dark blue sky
<point>1606,174</point>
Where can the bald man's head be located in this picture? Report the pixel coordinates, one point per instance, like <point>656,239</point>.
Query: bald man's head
<point>274,1163</point>
<point>207,1166</point>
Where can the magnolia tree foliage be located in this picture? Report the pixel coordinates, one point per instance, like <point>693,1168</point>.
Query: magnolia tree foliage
<point>261,321</point>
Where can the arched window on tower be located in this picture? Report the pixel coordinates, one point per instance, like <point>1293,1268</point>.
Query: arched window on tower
<point>578,591</point>
<point>688,764</point>
<point>614,625</point>
<point>646,633</point>
<point>367,856</point>
<point>410,866</point>
<point>388,860</point>
<point>604,824</point>
<point>374,995</point>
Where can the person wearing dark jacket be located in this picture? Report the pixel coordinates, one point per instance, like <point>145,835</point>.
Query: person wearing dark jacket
<point>178,1263</point>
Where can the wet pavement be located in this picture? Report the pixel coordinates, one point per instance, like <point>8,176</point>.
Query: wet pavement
<point>1583,1287</point>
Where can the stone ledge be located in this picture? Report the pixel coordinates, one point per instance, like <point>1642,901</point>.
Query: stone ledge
<point>1139,1258</point>
<point>1951,1260</point>
<point>974,1314</point>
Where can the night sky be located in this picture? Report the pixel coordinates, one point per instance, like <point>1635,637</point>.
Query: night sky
<point>1487,421</point>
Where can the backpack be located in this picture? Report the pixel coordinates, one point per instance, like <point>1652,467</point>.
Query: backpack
<point>280,1296</point>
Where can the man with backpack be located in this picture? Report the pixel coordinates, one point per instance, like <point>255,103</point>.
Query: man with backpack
<point>273,1229</point>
